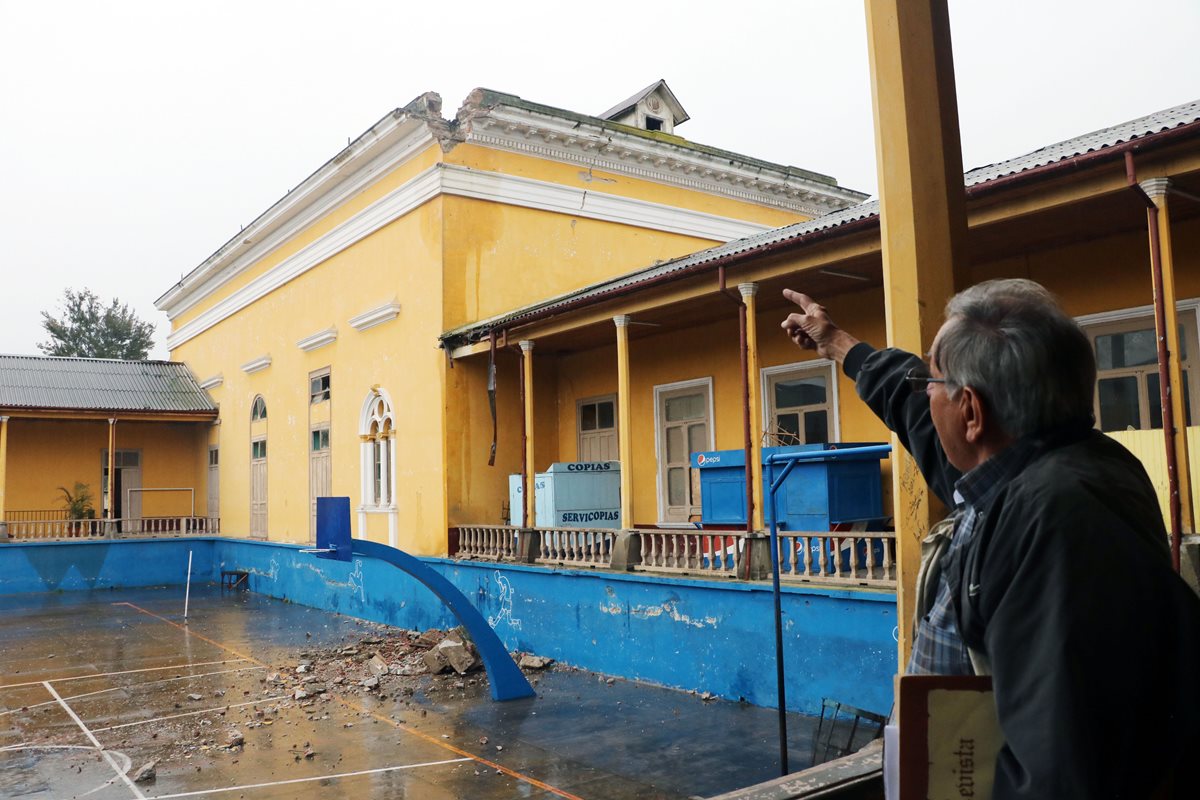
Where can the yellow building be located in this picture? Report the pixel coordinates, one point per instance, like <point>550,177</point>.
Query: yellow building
<point>658,349</point>
<point>71,423</point>
<point>315,329</point>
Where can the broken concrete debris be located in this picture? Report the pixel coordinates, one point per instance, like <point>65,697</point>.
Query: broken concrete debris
<point>147,772</point>
<point>529,661</point>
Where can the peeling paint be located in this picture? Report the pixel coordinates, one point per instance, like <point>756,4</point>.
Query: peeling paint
<point>354,581</point>
<point>649,612</point>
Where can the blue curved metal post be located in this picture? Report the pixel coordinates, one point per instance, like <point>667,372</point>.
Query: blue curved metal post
<point>505,678</point>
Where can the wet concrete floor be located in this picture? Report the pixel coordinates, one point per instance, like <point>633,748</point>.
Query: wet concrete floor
<point>93,685</point>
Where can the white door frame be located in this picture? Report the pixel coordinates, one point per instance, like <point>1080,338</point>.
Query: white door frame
<point>659,391</point>
<point>766,373</point>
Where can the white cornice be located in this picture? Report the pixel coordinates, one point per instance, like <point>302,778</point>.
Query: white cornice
<point>318,339</point>
<point>525,131</point>
<point>213,382</point>
<point>476,184</point>
<point>394,141</point>
<point>256,365</point>
<point>555,197</point>
<point>412,194</point>
<point>376,316</point>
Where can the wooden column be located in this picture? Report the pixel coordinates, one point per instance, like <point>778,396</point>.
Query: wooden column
<point>530,471</point>
<point>919,160</point>
<point>112,468</point>
<point>3,466</point>
<point>1157,190</point>
<point>624,425</point>
<point>748,292</point>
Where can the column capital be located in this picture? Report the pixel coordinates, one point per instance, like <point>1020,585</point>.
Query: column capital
<point>748,290</point>
<point>526,345</point>
<point>112,420</point>
<point>1156,188</point>
<point>4,419</point>
<point>621,320</point>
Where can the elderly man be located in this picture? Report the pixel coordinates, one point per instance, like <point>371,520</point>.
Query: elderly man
<point>1056,579</point>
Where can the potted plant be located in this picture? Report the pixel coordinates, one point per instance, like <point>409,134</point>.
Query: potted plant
<point>78,505</point>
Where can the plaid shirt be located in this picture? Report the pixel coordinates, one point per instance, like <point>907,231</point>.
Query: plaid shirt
<point>938,648</point>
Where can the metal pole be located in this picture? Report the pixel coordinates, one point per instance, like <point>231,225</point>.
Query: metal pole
<point>187,592</point>
<point>779,674</point>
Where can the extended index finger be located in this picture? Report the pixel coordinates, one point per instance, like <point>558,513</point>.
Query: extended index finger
<point>799,298</point>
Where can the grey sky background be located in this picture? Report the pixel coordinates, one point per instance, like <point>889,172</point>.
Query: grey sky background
<point>136,137</point>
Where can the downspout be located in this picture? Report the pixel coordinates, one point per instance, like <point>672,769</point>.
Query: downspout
<point>525,523</point>
<point>491,391</point>
<point>1164,383</point>
<point>749,444</point>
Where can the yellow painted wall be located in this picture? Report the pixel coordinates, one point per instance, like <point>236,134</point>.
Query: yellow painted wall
<point>398,263</point>
<point>46,454</point>
<point>348,209</point>
<point>1150,449</point>
<point>1101,275</point>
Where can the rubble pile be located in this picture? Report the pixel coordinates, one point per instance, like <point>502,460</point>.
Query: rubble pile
<point>386,662</point>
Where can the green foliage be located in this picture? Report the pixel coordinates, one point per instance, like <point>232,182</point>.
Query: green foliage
<point>79,503</point>
<point>88,329</point>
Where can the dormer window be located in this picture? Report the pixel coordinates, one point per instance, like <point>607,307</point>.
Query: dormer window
<point>652,109</point>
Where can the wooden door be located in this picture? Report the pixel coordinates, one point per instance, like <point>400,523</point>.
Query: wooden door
<point>214,484</point>
<point>597,425</point>
<point>258,488</point>
<point>685,426</point>
<point>320,474</point>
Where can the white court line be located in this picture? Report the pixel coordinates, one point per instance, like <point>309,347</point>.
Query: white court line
<point>135,686</point>
<point>107,755</point>
<point>264,701</point>
<point>122,672</point>
<point>309,780</point>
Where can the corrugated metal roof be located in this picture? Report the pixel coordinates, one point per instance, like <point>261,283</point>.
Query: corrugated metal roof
<point>1150,124</point>
<point>1157,122</point>
<point>97,384</point>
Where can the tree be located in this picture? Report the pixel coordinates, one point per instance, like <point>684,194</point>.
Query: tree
<point>89,329</point>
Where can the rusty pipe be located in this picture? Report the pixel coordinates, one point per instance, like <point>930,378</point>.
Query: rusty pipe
<point>1174,505</point>
<point>525,523</point>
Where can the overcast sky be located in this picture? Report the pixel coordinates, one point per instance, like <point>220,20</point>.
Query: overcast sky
<point>137,137</point>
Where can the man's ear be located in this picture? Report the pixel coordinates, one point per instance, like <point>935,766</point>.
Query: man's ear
<point>975,416</point>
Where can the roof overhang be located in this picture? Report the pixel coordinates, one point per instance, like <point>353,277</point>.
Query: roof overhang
<point>391,141</point>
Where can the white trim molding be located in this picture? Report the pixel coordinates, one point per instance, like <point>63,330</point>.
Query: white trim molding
<point>411,195</point>
<point>256,365</point>
<point>1139,312</point>
<point>388,145</point>
<point>477,184</point>
<point>376,316</point>
<point>318,339</point>
<point>595,147</point>
<point>212,382</point>
<point>583,202</point>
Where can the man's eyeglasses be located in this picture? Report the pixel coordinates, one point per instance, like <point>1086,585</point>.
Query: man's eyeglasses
<point>919,379</point>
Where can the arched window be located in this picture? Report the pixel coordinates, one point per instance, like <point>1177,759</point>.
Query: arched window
<point>258,410</point>
<point>378,438</point>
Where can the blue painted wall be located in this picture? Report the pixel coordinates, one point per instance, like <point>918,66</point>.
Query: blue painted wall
<point>690,634</point>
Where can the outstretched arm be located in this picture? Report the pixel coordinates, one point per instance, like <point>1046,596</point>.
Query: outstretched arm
<point>878,377</point>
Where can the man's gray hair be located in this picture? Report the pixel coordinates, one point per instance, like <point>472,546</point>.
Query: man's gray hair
<point>1011,342</point>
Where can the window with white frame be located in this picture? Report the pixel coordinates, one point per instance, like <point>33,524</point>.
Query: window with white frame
<point>1128,394</point>
<point>800,404</point>
<point>378,438</point>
